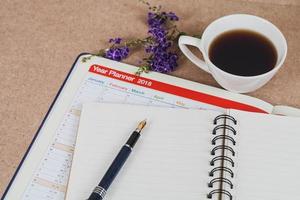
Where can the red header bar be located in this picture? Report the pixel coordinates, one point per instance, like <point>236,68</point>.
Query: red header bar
<point>172,89</point>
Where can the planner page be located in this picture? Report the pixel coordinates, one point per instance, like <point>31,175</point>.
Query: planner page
<point>170,160</point>
<point>44,170</point>
<point>267,160</point>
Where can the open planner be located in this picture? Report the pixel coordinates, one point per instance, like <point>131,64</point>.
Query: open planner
<point>43,172</point>
<point>187,154</point>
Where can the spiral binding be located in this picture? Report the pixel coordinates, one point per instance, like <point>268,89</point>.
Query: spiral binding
<point>224,116</point>
<point>222,157</point>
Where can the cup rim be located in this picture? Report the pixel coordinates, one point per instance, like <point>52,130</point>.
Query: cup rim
<point>277,66</point>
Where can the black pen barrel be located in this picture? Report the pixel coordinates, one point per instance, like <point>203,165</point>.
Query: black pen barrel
<point>100,190</point>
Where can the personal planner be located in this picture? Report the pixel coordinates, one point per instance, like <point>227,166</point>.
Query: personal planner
<point>44,170</point>
<point>188,154</point>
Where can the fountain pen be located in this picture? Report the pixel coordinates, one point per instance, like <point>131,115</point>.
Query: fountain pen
<point>100,190</point>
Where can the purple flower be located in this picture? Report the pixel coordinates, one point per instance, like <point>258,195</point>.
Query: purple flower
<point>164,62</point>
<point>161,60</point>
<point>117,54</point>
<point>172,16</point>
<point>159,34</point>
<point>154,20</point>
<point>115,40</point>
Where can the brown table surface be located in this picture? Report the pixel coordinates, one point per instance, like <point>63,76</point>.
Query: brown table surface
<point>41,39</point>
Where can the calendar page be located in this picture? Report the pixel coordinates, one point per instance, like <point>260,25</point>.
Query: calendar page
<point>44,171</point>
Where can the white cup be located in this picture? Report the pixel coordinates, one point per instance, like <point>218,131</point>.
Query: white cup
<point>231,82</point>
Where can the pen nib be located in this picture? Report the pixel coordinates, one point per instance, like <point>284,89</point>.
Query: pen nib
<point>141,125</point>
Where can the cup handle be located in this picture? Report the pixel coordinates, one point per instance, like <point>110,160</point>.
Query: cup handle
<point>196,42</point>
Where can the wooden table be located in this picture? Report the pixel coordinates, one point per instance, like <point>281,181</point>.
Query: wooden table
<point>41,39</point>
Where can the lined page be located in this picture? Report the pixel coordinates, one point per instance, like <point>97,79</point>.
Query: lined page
<point>170,160</point>
<point>268,157</point>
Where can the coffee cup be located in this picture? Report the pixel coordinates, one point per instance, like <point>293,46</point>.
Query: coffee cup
<point>228,80</point>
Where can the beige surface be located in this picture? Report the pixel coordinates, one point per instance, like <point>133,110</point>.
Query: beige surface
<point>40,40</point>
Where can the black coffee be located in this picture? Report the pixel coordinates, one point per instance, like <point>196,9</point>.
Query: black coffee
<point>243,53</point>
